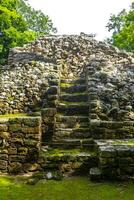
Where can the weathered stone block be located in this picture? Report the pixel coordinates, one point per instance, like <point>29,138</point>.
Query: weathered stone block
<point>12,151</point>
<point>15,121</point>
<point>52,97</point>
<point>31,122</point>
<point>17,158</point>
<point>3,127</point>
<point>95,174</point>
<point>32,136</point>
<point>53,90</point>
<point>30,143</point>
<point>108,161</point>
<point>16,141</point>
<point>52,104</point>
<point>107,152</point>
<point>123,151</point>
<point>3,151</point>
<point>4,120</point>
<point>3,165</point>
<point>3,157</point>
<point>22,151</point>
<point>125,161</point>
<point>15,128</point>
<point>48,120</point>
<point>31,130</point>
<point>48,112</point>
<point>18,135</point>
<point>5,135</point>
<point>33,154</point>
<point>15,167</point>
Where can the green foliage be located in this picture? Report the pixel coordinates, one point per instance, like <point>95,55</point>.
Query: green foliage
<point>9,4</point>
<point>36,20</point>
<point>122,26</point>
<point>20,24</point>
<point>116,22</point>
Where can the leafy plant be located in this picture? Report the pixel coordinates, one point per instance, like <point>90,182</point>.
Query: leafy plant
<point>20,24</point>
<point>122,27</point>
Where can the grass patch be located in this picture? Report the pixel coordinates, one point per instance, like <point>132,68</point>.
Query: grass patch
<point>79,188</point>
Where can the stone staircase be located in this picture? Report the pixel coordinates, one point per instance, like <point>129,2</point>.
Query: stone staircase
<point>72,125</point>
<point>77,146</point>
<point>71,148</point>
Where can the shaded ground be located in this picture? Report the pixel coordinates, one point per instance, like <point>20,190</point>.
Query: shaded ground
<point>70,189</point>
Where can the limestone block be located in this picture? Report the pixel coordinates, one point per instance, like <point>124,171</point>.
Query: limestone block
<point>17,158</point>
<point>107,152</point>
<point>30,143</point>
<point>3,165</point>
<point>15,121</point>
<point>125,161</point>
<point>95,174</point>
<point>31,130</point>
<point>17,135</point>
<point>22,150</point>
<point>4,157</point>
<point>3,127</point>
<point>123,151</point>
<point>12,151</point>
<point>53,90</point>
<point>31,122</point>
<point>5,135</point>
<point>48,112</point>
<point>15,167</point>
<point>15,128</point>
<point>52,97</point>
<point>16,141</point>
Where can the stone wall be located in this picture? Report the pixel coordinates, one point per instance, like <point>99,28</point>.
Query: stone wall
<point>31,81</point>
<point>111,88</point>
<point>110,72</point>
<point>19,144</point>
<point>25,87</point>
<point>116,160</point>
<point>112,129</point>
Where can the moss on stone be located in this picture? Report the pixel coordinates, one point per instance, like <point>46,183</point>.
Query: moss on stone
<point>66,85</point>
<point>131,143</point>
<point>62,152</point>
<point>15,115</point>
<point>73,103</point>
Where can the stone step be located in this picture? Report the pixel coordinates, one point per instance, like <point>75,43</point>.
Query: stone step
<point>73,109</point>
<point>72,125</point>
<point>81,97</point>
<point>77,133</point>
<point>68,88</point>
<point>71,119</point>
<point>74,81</point>
<point>73,143</point>
<point>68,160</point>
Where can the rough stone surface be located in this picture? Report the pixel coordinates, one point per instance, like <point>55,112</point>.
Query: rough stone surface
<point>82,89</point>
<point>25,87</point>
<point>109,74</point>
<point>116,159</point>
<point>19,147</point>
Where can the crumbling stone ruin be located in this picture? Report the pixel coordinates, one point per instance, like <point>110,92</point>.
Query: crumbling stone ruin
<point>67,104</point>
